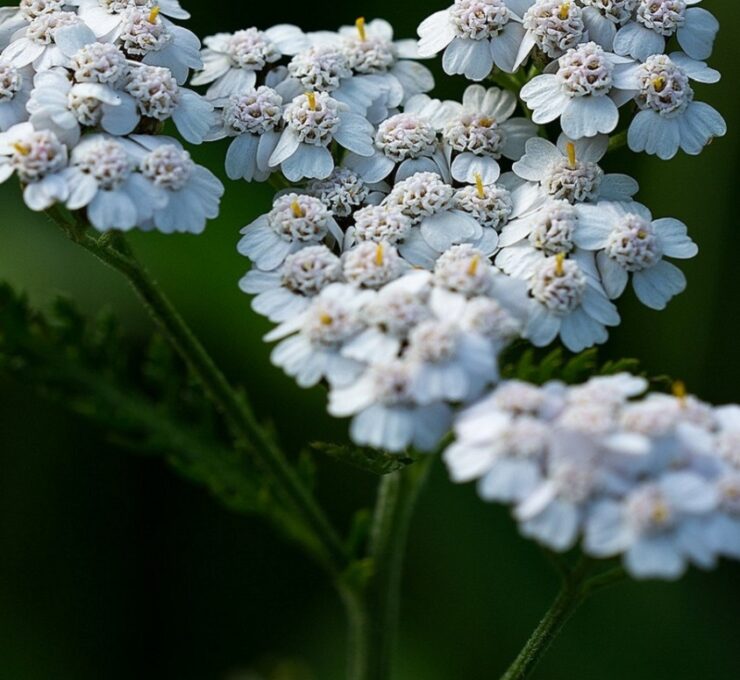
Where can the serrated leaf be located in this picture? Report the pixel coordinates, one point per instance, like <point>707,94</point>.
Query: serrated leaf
<point>367,459</point>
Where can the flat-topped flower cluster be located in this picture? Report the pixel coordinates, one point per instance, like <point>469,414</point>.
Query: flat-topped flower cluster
<point>652,478</point>
<point>411,240</point>
<point>85,88</point>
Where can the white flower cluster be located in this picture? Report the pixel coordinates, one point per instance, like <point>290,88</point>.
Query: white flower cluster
<point>597,55</point>
<point>85,86</point>
<point>652,478</point>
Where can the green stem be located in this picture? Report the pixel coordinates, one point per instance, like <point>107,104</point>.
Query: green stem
<point>575,589</point>
<point>112,250</point>
<point>373,607</point>
<point>617,141</point>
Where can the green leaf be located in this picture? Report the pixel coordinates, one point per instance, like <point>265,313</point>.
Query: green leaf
<point>366,459</point>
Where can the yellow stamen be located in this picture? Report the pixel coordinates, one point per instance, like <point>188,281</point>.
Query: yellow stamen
<point>486,122</point>
<point>326,319</point>
<point>295,206</point>
<point>479,185</point>
<point>379,255</point>
<point>660,514</point>
<point>154,14</point>
<point>360,23</point>
<point>311,96</point>
<point>560,264</point>
<point>571,151</point>
<point>22,149</point>
<point>659,83</point>
<point>642,234</point>
<point>473,268</point>
<point>679,391</point>
<point>564,12</point>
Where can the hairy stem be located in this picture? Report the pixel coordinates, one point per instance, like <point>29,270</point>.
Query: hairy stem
<point>373,607</point>
<point>575,589</point>
<point>113,250</point>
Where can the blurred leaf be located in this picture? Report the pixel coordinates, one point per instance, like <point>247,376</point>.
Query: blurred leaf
<point>363,458</point>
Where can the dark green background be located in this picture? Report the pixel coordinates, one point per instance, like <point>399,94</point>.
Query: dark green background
<point>111,567</point>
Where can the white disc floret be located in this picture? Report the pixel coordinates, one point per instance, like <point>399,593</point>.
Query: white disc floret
<point>405,136</point>
<point>320,68</point>
<point>255,112</point>
<point>329,322</point>
<point>421,195</point>
<point>372,265</point>
<point>649,511</point>
<point>433,341</point>
<point>107,161</point>
<point>559,284</point>
<point>664,86</point>
<point>397,311</point>
<point>310,270</point>
<point>155,89</point>
<point>38,155</point>
<point>392,382</point>
<point>168,167</point>
<point>486,317</point>
<point>314,117</point>
<point>368,54</point>
<point>297,217</point>
<point>11,81</point>
<point>664,17</point>
<point>573,180</point>
<point>555,25</point>
<point>476,133</point>
<point>251,50</point>
<point>492,206</point>
<point>343,191</point>
<point>479,19</point>
<point>31,9</point>
<point>553,228</point>
<point>41,29</point>
<point>381,223</point>
<point>87,110</point>
<point>98,63</point>
<point>633,245</point>
<point>142,31</point>
<point>585,71</point>
<point>463,269</point>
<point>617,11</point>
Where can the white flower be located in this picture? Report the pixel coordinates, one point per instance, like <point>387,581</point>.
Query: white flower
<point>295,222</point>
<point>658,20</point>
<point>670,118</point>
<point>67,108</point>
<point>39,160</point>
<point>584,92</point>
<point>407,142</point>
<point>568,300</point>
<point>386,415</point>
<point>252,118</point>
<point>372,265</point>
<point>427,201</point>
<point>313,120</point>
<point>553,26</point>
<point>313,350</point>
<point>102,178</point>
<point>15,89</point>
<point>526,242</point>
<point>372,50</point>
<point>39,42</point>
<point>657,526</point>
<point>287,291</point>
<point>104,17</point>
<point>193,193</point>
<point>343,192</point>
<point>723,527</point>
<point>158,96</point>
<point>483,132</point>
<point>602,19</point>
<point>233,60</point>
<point>629,241</point>
<point>98,63</point>
<point>475,35</point>
<point>145,35</point>
<point>570,170</point>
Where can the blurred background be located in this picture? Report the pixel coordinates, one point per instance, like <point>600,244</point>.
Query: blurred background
<point>113,567</point>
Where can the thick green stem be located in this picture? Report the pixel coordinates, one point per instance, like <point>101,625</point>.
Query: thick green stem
<point>575,589</point>
<point>373,607</point>
<point>114,252</point>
